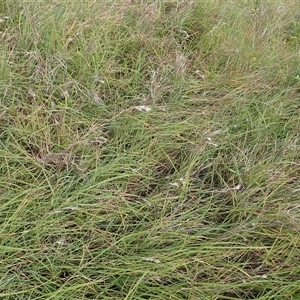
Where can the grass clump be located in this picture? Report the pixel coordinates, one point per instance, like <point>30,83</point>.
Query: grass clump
<point>149,150</point>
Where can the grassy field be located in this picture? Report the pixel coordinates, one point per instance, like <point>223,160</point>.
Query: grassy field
<point>149,150</point>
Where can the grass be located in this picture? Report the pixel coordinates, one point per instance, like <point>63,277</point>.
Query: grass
<point>149,150</point>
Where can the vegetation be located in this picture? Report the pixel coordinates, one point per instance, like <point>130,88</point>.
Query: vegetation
<point>149,150</point>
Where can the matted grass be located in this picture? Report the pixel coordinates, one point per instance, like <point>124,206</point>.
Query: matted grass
<point>149,150</point>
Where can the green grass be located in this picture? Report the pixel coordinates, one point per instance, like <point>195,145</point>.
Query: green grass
<point>149,150</point>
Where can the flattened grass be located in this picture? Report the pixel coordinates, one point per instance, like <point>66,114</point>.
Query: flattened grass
<point>149,150</point>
